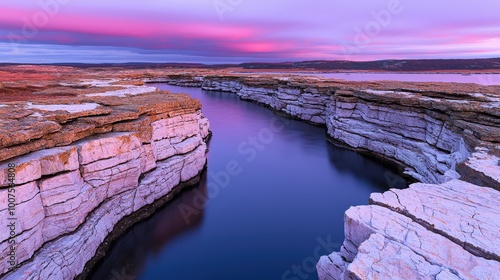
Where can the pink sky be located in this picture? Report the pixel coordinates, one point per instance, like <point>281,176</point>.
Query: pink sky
<point>216,31</point>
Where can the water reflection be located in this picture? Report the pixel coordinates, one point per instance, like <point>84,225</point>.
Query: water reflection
<point>264,220</point>
<point>367,169</point>
<point>149,237</point>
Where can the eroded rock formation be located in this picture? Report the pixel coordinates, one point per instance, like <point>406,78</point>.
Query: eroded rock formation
<point>84,163</point>
<point>447,136</point>
<point>429,129</point>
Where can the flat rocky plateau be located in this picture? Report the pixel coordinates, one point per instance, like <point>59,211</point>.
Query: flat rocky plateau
<point>63,125</point>
<point>88,154</point>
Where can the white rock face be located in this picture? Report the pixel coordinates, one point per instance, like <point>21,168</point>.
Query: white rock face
<point>422,143</point>
<point>446,231</point>
<point>380,242</point>
<point>381,258</point>
<point>462,212</point>
<point>485,163</point>
<point>427,146</point>
<point>100,222</point>
<point>185,80</point>
<point>45,162</point>
<point>70,198</point>
<point>331,267</point>
<point>304,104</point>
<point>484,168</point>
<point>443,229</point>
<point>228,86</point>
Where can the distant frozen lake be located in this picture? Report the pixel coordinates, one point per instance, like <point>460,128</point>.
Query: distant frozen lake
<point>482,79</point>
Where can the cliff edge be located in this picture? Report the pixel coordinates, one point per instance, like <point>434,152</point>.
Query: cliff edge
<point>72,167</point>
<point>444,135</point>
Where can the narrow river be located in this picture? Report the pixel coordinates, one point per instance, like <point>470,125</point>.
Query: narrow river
<point>270,202</point>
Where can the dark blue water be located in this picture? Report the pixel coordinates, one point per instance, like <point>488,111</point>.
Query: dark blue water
<point>274,195</point>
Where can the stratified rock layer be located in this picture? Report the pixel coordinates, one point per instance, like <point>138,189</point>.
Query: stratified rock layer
<point>446,135</point>
<point>81,168</point>
<point>427,128</point>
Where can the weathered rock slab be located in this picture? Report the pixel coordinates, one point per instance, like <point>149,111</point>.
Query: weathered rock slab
<point>467,214</point>
<point>363,221</point>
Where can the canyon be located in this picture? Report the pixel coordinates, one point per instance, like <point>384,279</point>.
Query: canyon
<point>446,136</point>
<point>118,145</point>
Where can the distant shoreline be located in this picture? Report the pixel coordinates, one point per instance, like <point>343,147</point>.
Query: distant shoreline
<point>448,66</point>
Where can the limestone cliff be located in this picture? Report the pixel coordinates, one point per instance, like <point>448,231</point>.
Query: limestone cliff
<point>84,163</point>
<point>426,130</point>
<point>447,136</point>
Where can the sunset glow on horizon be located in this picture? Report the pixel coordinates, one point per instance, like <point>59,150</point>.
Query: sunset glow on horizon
<point>234,31</point>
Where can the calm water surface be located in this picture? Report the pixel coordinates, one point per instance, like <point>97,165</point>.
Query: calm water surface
<point>481,79</point>
<point>286,203</point>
